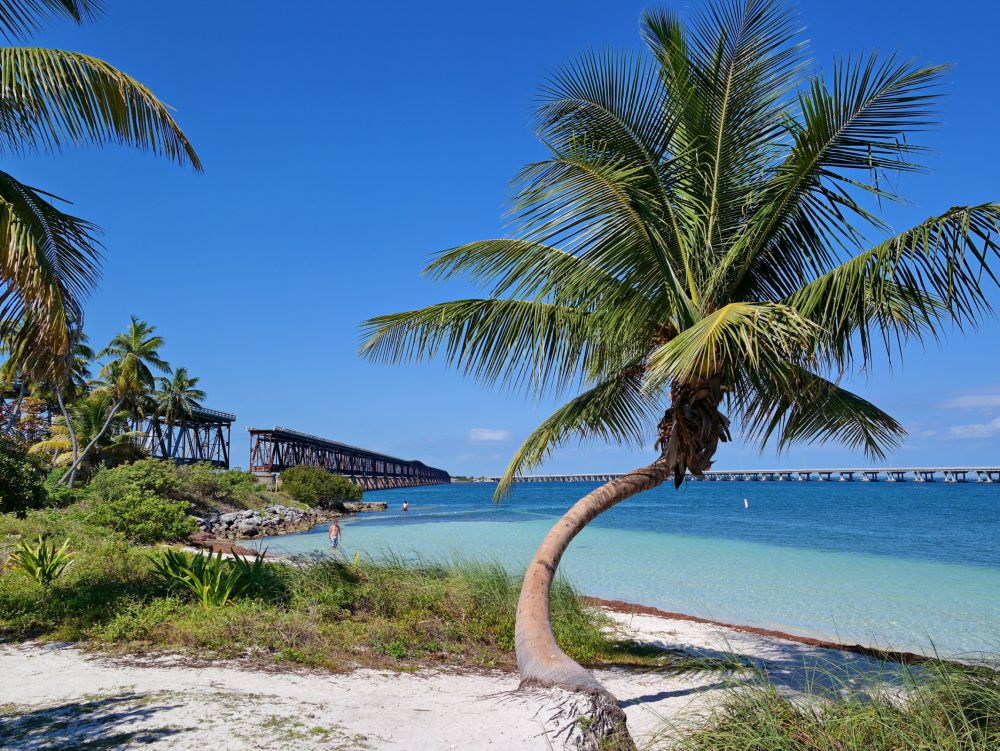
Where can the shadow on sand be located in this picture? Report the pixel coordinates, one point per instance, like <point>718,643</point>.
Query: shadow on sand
<point>100,723</point>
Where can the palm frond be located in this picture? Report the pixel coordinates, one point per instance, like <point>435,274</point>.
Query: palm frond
<point>735,338</point>
<point>522,344</point>
<point>53,98</point>
<point>617,409</point>
<point>853,130</point>
<point>902,289</point>
<point>528,270</point>
<point>21,18</point>
<point>743,59</point>
<point>49,263</point>
<point>798,406</point>
<point>601,209</point>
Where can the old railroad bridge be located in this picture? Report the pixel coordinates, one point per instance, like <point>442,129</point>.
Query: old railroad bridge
<point>275,449</point>
<point>890,474</point>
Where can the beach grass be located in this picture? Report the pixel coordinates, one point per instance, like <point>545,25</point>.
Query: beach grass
<point>320,611</point>
<point>938,706</point>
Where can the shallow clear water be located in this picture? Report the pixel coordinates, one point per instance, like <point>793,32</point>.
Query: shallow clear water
<point>910,566</point>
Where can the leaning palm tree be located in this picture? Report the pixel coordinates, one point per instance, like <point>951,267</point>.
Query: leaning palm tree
<point>128,377</point>
<point>696,250</point>
<point>51,99</point>
<point>176,398</point>
<point>85,420</point>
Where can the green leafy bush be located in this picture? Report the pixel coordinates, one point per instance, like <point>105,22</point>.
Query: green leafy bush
<point>317,487</point>
<point>145,518</point>
<point>59,495</point>
<point>212,579</point>
<point>147,477</point>
<point>204,484</point>
<point>21,479</point>
<point>41,560</point>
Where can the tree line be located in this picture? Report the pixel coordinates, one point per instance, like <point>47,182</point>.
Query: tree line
<point>99,409</point>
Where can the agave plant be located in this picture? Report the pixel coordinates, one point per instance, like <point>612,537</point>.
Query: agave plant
<point>212,579</point>
<point>41,560</point>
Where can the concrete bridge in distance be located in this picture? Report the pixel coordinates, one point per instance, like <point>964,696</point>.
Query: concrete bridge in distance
<point>888,474</point>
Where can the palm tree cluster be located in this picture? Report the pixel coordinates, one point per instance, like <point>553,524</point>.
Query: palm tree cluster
<point>703,255</point>
<point>99,419</point>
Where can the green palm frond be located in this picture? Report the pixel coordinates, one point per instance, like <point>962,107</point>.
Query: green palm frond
<point>526,270</point>
<point>853,129</point>
<point>738,337</point>
<point>903,288</point>
<point>49,261</point>
<point>743,59</point>
<point>795,406</point>
<point>53,98</point>
<point>523,344</point>
<point>21,18</point>
<point>602,210</point>
<point>619,409</point>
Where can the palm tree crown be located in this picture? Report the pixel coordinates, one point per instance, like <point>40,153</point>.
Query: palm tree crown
<point>178,396</point>
<point>699,236</point>
<point>87,418</point>
<point>134,355</point>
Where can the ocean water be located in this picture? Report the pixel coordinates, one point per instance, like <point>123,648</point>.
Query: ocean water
<point>911,566</point>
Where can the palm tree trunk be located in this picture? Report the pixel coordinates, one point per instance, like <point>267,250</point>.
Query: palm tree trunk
<point>689,434</point>
<point>539,659</point>
<point>93,441</point>
<point>15,412</point>
<point>72,438</point>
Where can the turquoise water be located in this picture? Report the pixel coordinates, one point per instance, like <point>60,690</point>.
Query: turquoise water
<point>907,566</point>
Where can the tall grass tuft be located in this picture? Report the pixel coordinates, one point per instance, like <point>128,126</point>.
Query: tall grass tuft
<point>939,707</point>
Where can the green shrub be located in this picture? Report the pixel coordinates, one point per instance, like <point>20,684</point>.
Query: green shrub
<point>315,486</point>
<point>204,484</point>
<point>59,495</point>
<point>147,477</point>
<point>134,620</point>
<point>21,479</point>
<point>42,561</point>
<point>145,518</point>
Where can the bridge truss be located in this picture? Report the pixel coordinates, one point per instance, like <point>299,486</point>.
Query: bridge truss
<point>201,437</point>
<point>277,449</point>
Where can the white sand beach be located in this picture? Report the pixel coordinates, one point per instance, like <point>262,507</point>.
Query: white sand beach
<point>59,696</point>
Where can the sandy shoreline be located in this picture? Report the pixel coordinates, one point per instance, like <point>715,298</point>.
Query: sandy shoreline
<point>59,696</point>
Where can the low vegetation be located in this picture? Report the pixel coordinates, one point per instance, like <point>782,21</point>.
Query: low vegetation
<point>944,707</point>
<point>315,486</point>
<point>212,579</point>
<point>21,479</point>
<point>323,612</point>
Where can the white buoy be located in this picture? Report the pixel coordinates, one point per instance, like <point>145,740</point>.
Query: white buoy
<point>746,503</point>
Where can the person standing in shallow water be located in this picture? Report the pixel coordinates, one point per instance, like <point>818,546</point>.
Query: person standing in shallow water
<point>406,505</point>
<point>334,534</point>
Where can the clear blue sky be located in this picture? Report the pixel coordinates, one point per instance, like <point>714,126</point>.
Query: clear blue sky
<point>345,142</point>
